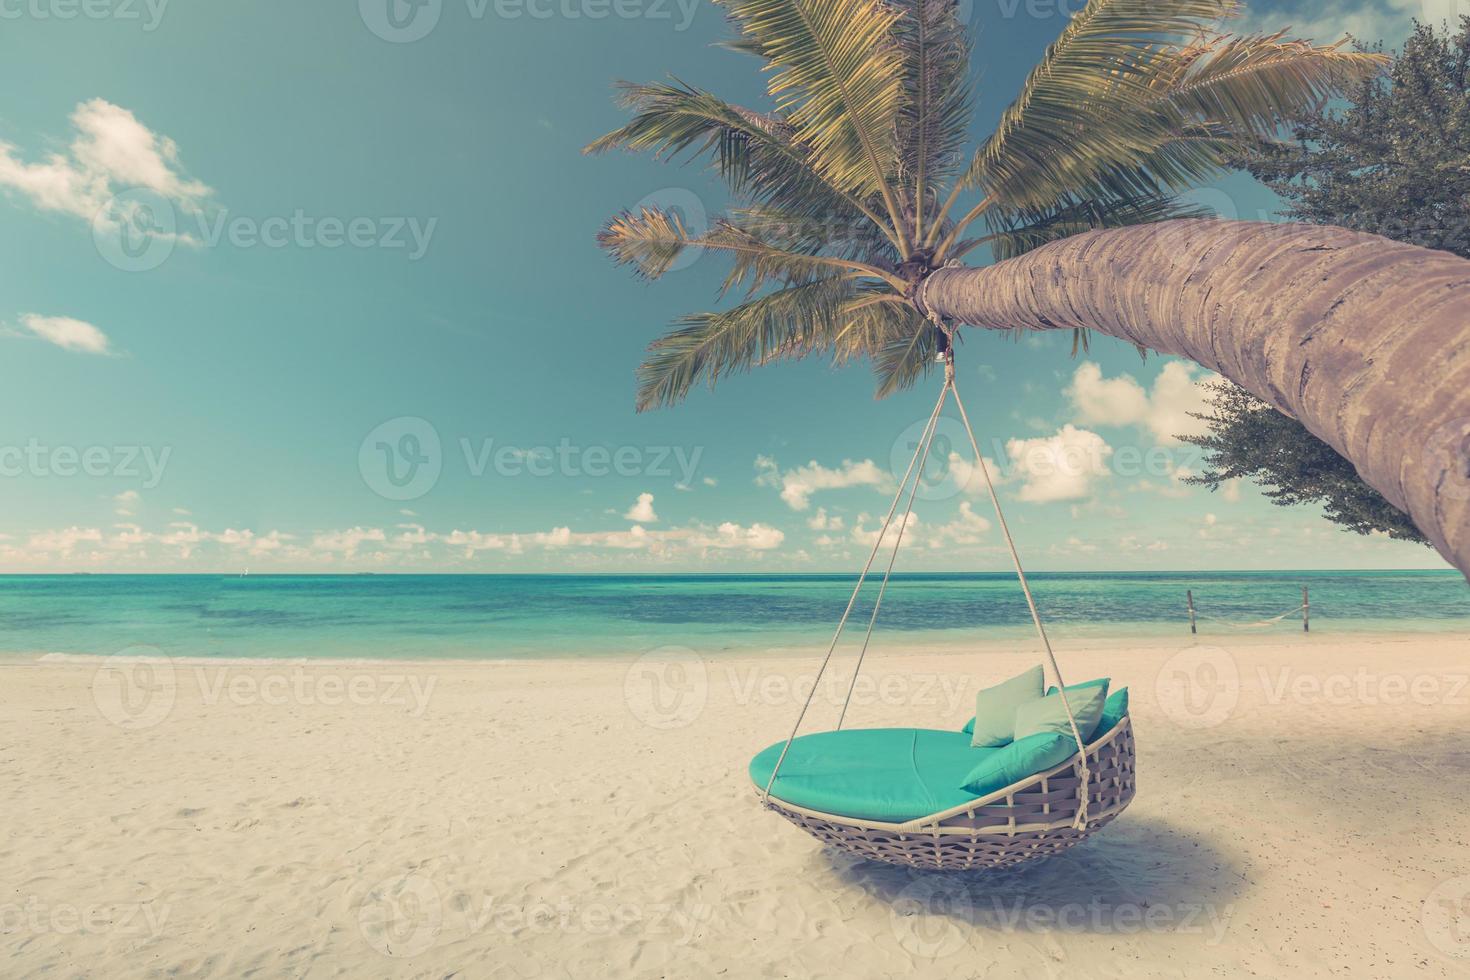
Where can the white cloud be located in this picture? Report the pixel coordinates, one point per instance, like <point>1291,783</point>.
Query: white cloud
<point>406,545</point>
<point>347,541</point>
<point>1059,467</point>
<point>66,333</point>
<point>1164,411</point>
<point>1230,491</point>
<point>967,527</point>
<point>820,521</point>
<point>1176,394</point>
<point>642,510</point>
<point>798,485</point>
<point>1325,21</point>
<point>111,151</point>
<point>1107,401</point>
<point>474,541</point>
<point>757,537</point>
<point>65,540</point>
<point>125,504</point>
<point>968,476</point>
<point>256,545</point>
<point>868,538</point>
<point>182,536</point>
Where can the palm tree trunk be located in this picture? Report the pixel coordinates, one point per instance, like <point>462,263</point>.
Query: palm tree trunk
<point>1364,340</point>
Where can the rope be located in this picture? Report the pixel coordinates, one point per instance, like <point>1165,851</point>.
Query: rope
<point>1083,791</point>
<point>888,572</point>
<point>921,452</point>
<point>1258,624</point>
<point>862,576</point>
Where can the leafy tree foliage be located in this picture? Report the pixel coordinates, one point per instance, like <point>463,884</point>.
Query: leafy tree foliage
<point>1250,439</point>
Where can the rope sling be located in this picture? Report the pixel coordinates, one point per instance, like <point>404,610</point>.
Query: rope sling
<point>1258,624</point>
<point>916,470</point>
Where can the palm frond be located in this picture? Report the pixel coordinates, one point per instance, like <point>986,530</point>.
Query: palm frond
<point>934,107</point>
<point>787,323</point>
<point>1161,106</point>
<point>1255,84</point>
<point>1099,66</point>
<point>903,345</point>
<point>652,240</point>
<point>837,77</point>
<point>832,234</point>
<point>1019,232</point>
<point>756,154</point>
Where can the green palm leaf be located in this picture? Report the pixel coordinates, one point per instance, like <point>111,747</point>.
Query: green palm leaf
<point>934,106</point>
<point>652,240</point>
<point>843,193</point>
<point>1098,68</point>
<point>788,323</point>
<point>836,78</point>
<point>757,155</point>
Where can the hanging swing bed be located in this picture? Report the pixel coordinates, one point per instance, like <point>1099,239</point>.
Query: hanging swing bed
<point>943,800</point>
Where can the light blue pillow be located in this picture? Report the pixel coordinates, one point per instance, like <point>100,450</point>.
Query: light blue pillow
<point>1048,714</point>
<point>1098,682</point>
<point>1012,763</point>
<point>995,708</point>
<point>1113,711</point>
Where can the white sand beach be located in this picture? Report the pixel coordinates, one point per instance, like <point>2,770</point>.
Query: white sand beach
<point>1300,813</point>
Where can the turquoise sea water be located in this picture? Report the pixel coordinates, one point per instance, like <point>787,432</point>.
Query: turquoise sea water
<point>500,616</point>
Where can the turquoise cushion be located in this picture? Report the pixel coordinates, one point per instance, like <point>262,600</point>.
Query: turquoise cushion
<point>995,708</point>
<point>1114,709</point>
<point>1096,682</point>
<point>887,774</point>
<point>1049,714</point>
<point>1024,757</point>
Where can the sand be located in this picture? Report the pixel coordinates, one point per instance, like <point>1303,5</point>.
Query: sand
<point>1301,812</point>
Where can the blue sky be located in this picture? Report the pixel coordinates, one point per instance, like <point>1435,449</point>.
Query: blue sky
<point>373,242</point>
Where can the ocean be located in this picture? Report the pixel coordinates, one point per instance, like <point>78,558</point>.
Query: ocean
<point>538,616</point>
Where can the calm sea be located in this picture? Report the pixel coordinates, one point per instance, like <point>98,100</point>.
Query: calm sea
<point>500,616</point>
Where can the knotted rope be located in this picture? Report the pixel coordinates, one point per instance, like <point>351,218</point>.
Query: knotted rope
<point>1084,791</point>
<point>920,457</point>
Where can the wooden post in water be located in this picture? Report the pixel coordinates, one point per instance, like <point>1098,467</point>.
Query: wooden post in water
<point>1306,611</point>
<point>1189,595</point>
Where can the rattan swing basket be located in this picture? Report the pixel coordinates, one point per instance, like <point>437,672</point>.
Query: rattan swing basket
<point>1030,819</point>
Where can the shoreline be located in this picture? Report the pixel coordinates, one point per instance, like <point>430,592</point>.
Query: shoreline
<point>883,647</point>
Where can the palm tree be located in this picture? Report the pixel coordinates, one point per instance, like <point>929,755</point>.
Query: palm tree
<point>855,202</point>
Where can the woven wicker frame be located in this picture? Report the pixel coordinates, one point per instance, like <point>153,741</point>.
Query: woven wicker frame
<point>1026,820</point>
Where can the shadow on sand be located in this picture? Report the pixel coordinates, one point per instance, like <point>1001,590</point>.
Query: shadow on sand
<point>1139,874</point>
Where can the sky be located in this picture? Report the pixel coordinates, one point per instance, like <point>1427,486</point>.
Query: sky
<point>371,329</point>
